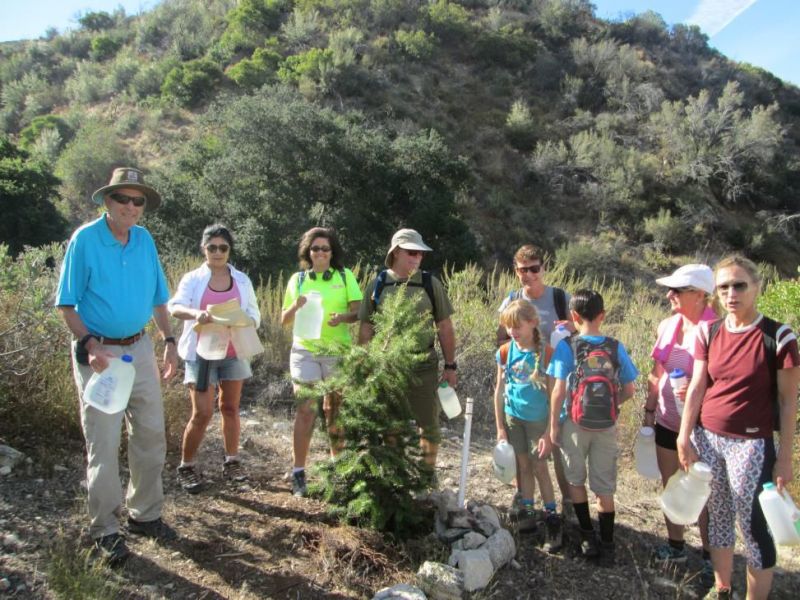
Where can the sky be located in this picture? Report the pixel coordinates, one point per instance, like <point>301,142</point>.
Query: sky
<point>764,33</point>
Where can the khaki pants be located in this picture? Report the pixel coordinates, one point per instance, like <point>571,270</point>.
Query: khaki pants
<point>147,445</point>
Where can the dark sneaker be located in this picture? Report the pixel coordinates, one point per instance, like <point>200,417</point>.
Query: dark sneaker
<point>552,534</point>
<point>715,594</point>
<point>527,522</point>
<point>232,470</point>
<point>608,554</point>
<point>667,555</point>
<point>157,530</point>
<point>299,484</point>
<point>589,545</point>
<point>707,578</point>
<point>189,479</point>
<point>112,549</point>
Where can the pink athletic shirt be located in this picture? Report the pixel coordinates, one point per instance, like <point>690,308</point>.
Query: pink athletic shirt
<point>214,297</point>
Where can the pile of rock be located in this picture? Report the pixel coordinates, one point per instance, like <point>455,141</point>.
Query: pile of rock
<point>479,547</point>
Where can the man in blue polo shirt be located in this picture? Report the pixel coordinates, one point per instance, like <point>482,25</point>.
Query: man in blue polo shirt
<point>111,285</point>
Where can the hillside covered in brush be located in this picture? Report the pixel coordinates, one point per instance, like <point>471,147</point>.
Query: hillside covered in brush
<point>482,123</point>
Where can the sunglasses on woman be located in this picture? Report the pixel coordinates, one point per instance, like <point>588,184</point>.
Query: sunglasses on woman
<point>125,199</point>
<point>680,290</point>
<point>530,269</point>
<point>320,248</point>
<point>739,286</point>
<point>214,248</point>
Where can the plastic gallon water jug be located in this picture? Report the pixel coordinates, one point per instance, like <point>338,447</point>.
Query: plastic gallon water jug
<point>449,401</point>
<point>686,494</point>
<point>559,333</point>
<point>503,462</point>
<point>645,452</point>
<point>781,514</point>
<point>213,340</point>
<point>110,389</point>
<point>308,318</point>
<point>677,379</point>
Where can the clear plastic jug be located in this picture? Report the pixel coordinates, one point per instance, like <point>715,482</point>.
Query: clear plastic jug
<point>559,333</point>
<point>686,494</point>
<point>449,400</point>
<point>213,340</point>
<point>110,390</point>
<point>308,318</point>
<point>645,453</point>
<point>677,379</point>
<point>504,463</point>
<point>782,515</point>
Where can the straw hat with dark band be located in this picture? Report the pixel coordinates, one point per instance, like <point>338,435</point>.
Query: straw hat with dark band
<point>126,177</point>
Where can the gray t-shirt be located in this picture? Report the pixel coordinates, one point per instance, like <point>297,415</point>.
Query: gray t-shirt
<point>545,304</point>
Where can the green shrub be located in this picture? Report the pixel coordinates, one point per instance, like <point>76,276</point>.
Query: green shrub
<point>29,135</point>
<point>104,47</point>
<point>781,301</point>
<point>96,21</point>
<point>520,127</point>
<point>312,65</point>
<point>251,22</point>
<point>300,28</point>
<point>415,44</point>
<point>255,71</point>
<point>85,86</point>
<point>668,232</point>
<point>191,84</point>
<point>446,19</point>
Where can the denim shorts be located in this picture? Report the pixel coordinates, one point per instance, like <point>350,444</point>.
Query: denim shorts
<point>227,369</point>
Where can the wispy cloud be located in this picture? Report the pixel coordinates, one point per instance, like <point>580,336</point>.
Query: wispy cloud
<point>712,16</point>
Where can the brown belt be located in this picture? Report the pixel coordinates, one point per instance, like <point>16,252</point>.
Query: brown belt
<point>127,341</point>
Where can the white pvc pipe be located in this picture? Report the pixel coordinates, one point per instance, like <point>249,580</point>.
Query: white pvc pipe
<point>462,487</point>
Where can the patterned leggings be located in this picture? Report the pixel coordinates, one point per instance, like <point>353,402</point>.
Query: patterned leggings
<point>740,468</point>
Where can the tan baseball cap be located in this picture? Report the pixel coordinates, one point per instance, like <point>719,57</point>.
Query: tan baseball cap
<point>407,239</point>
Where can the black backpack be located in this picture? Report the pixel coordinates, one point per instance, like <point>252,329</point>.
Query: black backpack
<point>770,333</point>
<point>559,301</point>
<point>594,384</point>
<point>427,285</point>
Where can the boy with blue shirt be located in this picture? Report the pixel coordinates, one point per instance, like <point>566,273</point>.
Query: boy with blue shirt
<point>521,413</point>
<point>585,427</point>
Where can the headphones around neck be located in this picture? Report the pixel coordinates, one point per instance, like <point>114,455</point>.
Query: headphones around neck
<point>326,276</point>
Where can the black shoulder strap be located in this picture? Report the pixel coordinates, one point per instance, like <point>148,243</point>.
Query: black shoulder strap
<point>380,283</point>
<point>427,284</point>
<point>301,277</point>
<point>770,334</point>
<point>560,303</point>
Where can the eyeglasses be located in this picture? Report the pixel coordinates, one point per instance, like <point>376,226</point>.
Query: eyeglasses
<point>739,286</point>
<point>214,248</point>
<point>320,248</point>
<point>125,199</point>
<point>680,290</point>
<point>413,252</point>
<point>530,269</point>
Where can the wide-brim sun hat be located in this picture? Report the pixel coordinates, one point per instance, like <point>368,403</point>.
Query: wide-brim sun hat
<point>407,239</point>
<point>700,277</point>
<point>127,177</point>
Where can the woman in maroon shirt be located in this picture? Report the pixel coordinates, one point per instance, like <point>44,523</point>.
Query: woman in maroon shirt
<point>730,418</point>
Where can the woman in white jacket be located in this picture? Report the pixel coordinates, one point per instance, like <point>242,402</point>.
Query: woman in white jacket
<point>214,282</point>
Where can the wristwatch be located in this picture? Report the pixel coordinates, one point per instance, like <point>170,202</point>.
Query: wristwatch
<point>85,339</point>
<point>451,366</point>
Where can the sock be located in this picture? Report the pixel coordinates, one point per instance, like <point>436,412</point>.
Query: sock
<point>677,544</point>
<point>550,507</point>
<point>186,464</point>
<point>527,503</point>
<point>582,514</point>
<point>297,470</point>
<point>706,555</point>
<point>607,527</point>
<point>234,458</point>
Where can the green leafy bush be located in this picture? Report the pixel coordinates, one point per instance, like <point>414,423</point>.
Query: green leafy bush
<point>781,301</point>
<point>254,72</point>
<point>312,65</point>
<point>251,22</point>
<point>668,232</point>
<point>192,83</point>
<point>96,21</point>
<point>446,19</point>
<point>104,47</point>
<point>29,135</point>
<point>416,43</point>
<point>520,127</point>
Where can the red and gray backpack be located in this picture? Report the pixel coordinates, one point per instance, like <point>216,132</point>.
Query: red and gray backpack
<point>594,385</point>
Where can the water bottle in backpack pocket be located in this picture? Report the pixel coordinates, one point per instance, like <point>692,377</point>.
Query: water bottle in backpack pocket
<point>594,384</point>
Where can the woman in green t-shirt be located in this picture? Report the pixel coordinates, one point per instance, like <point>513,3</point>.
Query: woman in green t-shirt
<point>322,272</point>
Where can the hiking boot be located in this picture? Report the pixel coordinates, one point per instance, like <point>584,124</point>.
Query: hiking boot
<point>707,578</point>
<point>716,594</point>
<point>516,506</point>
<point>668,555</point>
<point>189,479</point>
<point>527,521</point>
<point>299,484</point>
<point>589,546</point>
<point>157,529</point>
<point>552,534</point>
<point>232,470</point>
<point>112,549</point>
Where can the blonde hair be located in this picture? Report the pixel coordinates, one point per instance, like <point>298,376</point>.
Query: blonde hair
<point>520,311</point>
<point>737,260</point>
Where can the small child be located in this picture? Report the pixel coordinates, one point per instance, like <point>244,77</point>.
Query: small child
<point>595,374</point>
<point>521,413</point>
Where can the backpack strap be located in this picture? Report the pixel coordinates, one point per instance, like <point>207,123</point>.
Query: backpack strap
<point>560,303</point>
<point>301,277</point>
<point>504,353</point>
<point>770,331</point>
<point>427,285</point>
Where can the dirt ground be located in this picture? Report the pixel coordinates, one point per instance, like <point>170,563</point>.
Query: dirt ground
<point>256,540</point>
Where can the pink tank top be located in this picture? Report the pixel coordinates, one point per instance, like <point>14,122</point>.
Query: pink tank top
<point>214,297</point>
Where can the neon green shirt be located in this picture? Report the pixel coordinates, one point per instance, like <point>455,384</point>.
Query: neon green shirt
<point>336,295</point>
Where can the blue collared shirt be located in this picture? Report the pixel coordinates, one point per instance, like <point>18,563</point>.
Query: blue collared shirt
<point>112,287</point>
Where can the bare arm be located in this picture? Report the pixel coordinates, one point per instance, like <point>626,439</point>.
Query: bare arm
<point>447,340</point>
<point>627,392</point>
<point>287,316</point>
<point>651,402</point>
<point>161,317</point>
<point>788,381</point>
<point>499,411</point>
<point>99,355</point>
<point>556,402</point>
<point>349,317</point>
<point>365,332</point>
<point>691,413</point>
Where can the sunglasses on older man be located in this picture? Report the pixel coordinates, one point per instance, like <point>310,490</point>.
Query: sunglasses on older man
<point>125,199</point>
<point>413,252</point>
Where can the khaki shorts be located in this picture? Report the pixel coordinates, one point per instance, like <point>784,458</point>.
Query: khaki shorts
<point>524,435</point>
<point>424,404</point>
<point>306,367</point>
<point>599,447</point>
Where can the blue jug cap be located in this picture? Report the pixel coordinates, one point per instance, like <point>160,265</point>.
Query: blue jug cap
<point>769,486</point>
<point>677,374</point>
<point>561,327</point>
<point>127,358</point>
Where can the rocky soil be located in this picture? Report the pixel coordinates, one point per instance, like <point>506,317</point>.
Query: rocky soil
<point>256,540</point>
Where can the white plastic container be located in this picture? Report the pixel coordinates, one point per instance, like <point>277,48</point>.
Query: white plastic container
<point>449,400</point>
<point>686,494</point>
<point>677,379</point>
<point>645,452</point>
<point>782,515</point>
<point>504,463</point>
<point>308,318</point>
<point>213,340</point>
<point>110,390</point>
<point>559,333</point>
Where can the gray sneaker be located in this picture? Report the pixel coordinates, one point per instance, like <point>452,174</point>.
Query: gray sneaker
<point>299,484</point>
<point>527,522</point>
<point>715,594</point>
<point>232,470</point>
<point>189,479</point>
